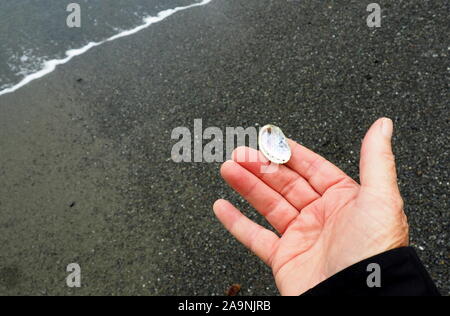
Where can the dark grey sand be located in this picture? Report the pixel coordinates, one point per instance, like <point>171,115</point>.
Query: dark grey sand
<point>85,169</point>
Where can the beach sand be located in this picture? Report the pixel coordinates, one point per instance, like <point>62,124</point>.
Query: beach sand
<point>86,174</point>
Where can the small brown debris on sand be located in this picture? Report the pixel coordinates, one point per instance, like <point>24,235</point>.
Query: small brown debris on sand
<point>234,290</point>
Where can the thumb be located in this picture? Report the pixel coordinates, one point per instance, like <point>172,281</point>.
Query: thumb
<point>377,165</point>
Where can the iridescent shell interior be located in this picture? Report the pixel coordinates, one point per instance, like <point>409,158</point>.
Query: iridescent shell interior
<point>273,144</point>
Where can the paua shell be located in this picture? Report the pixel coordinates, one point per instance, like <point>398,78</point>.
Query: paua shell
<point>273,144</point>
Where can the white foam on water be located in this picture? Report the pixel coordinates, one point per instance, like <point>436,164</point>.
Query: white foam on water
<point>50,66</point>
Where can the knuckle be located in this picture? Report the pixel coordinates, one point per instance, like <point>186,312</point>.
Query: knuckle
<point>388,157</point>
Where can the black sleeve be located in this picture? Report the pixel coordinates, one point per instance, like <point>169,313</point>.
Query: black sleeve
<point>401,274</point>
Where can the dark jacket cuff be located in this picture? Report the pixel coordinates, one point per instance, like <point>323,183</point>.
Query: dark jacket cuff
<point>401,273</point>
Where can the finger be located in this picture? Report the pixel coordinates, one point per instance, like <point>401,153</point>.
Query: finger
<point>319,172</point>
<point>269,203</point>
<point>285,181</point>
<point>377,164</point>
<point>262,242</point>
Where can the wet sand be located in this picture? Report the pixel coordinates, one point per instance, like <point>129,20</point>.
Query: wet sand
<point>85,168</point>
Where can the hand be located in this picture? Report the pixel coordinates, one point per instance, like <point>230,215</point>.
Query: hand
<point>326,221</point>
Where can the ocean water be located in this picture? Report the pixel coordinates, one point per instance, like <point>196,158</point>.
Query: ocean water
<point>35,38</point>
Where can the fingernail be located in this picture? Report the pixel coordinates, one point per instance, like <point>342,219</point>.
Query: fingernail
<point>387,127</point>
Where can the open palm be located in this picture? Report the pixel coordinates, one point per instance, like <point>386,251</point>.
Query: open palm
<point>325,220</point>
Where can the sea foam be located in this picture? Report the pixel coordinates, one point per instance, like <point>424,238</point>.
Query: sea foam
<point>50,66</point>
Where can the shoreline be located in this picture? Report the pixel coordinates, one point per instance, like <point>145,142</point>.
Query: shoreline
<point>50,65</point>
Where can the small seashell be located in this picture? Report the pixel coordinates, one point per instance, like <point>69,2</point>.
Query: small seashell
<point>273,144</point>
